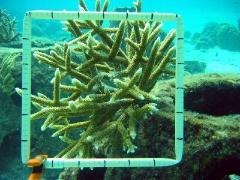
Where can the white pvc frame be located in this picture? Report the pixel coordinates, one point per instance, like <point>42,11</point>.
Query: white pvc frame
<point>107,162</point>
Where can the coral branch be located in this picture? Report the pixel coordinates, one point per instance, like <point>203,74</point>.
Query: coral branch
<point>8,32</point>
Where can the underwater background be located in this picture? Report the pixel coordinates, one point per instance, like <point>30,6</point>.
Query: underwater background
<point>195,13</point>
<point>212,93</point>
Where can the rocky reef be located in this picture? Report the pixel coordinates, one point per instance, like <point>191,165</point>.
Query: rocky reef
<point>224,35</point>
<point>212,137</point>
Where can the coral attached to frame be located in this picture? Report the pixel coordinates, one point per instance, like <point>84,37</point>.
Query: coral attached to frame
<point>110,90</point>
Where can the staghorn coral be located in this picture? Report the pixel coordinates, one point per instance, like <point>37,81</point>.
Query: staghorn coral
<point>7,81</point>
<point>110,90</point>
<point>7,30</point>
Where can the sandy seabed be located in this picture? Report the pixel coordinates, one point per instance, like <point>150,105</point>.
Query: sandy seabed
<point>217,60</point>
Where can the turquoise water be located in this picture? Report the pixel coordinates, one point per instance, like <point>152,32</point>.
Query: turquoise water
<point>221,10</point>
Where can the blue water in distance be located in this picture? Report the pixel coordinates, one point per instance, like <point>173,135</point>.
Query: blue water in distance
<point>186,8</point>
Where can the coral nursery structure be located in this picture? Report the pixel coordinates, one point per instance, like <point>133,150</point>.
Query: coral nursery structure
<point>109,91</point>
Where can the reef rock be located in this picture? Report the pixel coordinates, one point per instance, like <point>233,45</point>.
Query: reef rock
<point>212,136</point>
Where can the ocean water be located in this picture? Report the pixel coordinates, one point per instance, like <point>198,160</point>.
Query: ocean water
<point>196,15</point>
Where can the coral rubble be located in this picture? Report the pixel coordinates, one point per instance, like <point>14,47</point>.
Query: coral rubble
<point>8,31</point>
<point>110,90</point>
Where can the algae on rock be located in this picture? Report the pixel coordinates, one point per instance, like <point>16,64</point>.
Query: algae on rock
<point>110,91</point>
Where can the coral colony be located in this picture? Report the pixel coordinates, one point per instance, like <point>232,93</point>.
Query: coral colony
<point>110,89</point>
<point>7,81</point>
<point>8,31</point>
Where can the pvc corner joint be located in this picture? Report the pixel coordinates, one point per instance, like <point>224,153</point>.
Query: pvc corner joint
<point>37,165</point>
